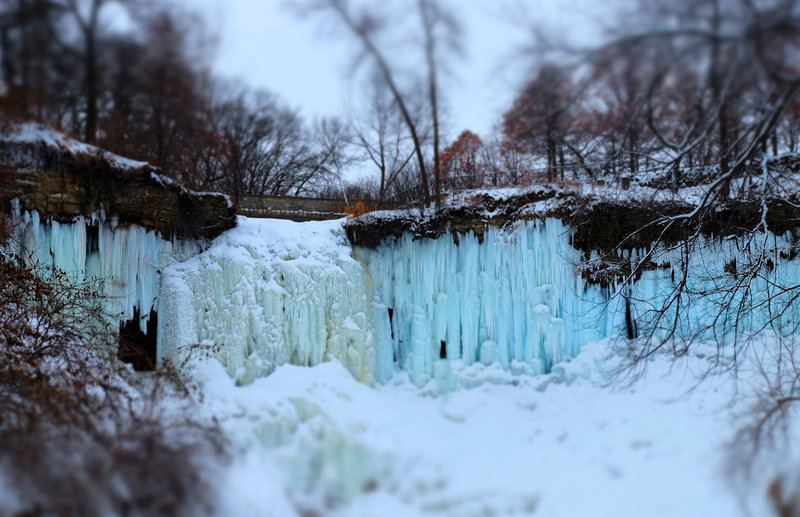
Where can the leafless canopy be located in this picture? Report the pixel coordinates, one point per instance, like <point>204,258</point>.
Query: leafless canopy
<point>369,26</point>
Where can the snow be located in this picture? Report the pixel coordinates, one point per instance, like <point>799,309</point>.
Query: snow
<point>510,423</point>
<point>314,441</point>
<point>520,418</point>
<point>33,133</point>
<point>166,181</point>
<point>647,187</point>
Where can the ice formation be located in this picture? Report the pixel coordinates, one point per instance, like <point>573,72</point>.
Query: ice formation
<point>128,259</point>
<point>517,298</point>
<point>735,286</point>
<point>271,292</point>
<point>514,298</point>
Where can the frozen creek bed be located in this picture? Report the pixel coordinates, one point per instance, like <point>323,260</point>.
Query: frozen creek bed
<point>314,441</point>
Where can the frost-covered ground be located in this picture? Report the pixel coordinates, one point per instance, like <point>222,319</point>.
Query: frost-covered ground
<point>313,441</point>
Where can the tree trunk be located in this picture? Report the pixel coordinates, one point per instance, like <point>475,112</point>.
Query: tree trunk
<point>91,89</point>
<point>716,92</point>
<point>430,59</point>
<point>386,74</point>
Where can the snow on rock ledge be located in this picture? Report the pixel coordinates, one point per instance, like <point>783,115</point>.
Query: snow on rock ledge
<point>63,179</point>
<point>271,292</point>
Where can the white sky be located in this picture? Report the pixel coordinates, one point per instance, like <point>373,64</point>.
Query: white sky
<point>266,46</point>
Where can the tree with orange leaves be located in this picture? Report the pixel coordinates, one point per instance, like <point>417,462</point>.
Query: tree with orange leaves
<point>460,162</point>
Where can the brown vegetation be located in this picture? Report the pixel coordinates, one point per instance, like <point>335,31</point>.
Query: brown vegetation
<point>148,94</point>
<point>75,437</point>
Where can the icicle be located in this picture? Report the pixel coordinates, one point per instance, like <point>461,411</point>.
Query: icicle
<point>127,259</point>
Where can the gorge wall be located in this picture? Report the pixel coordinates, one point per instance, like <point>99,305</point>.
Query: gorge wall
<point>95,215</point>
<point>62,179</point>
<point>504,281</point>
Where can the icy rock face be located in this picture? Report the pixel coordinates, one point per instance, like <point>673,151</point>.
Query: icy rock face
<point>516,298</point>
<point>513,299</point>
<point>271,292</point>
<point>735,286</point>
<point>128,259</point>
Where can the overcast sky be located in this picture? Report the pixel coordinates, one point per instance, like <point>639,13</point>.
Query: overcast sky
<point>266,46</point>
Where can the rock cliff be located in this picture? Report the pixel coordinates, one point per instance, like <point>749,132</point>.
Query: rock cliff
<point>63,179</point>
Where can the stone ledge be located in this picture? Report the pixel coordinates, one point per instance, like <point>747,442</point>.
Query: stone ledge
<point>62,184</point>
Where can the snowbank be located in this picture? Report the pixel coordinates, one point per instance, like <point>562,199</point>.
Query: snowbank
<point>313,441</point>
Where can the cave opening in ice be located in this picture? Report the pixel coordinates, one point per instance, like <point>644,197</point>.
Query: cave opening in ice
<point>138,348</point>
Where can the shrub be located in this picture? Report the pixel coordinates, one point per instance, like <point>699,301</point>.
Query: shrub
<point>75,437</point>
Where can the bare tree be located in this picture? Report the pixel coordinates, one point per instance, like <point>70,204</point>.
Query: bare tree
<point>437,24</point>
<point>332,155</point>
<point>505,163</point>
<point>538,118</point>
<point>378,133</point>
<point>724,83</point>
<point>88,22</point>
<point>157,95</point>
<point>368,26</point>
<point>76,436</point>
<point>38,66</point>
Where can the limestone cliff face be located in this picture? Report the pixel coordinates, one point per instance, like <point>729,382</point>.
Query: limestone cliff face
<point>62,179</point>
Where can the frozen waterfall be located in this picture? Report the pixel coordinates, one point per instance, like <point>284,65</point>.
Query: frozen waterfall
<point>128,259</point>
<point>514,298</point>
<point>270,292</point>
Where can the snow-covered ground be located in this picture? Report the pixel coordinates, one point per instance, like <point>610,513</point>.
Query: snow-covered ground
<point>313,441</point>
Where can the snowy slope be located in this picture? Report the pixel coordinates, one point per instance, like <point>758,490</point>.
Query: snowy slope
<point>313,441</point>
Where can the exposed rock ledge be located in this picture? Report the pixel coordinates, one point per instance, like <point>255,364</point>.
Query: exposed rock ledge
<point>603,218</point>
<point>63,179</point>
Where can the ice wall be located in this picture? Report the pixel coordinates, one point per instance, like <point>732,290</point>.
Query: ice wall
<point>514,298</point>
<point>271,292</point>
<point>128,259</point>
<point>517,298</point>
<point>734,287</point>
